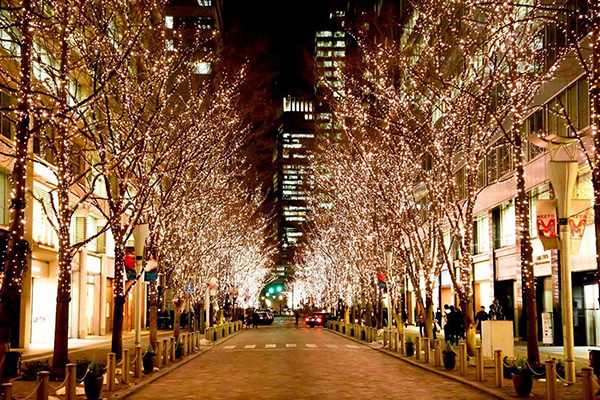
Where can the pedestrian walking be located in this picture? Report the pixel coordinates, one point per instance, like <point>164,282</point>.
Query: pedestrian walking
<point>481,316</point>
<point>297,315</point>
<point>255,318</point>
<point>421,323</point>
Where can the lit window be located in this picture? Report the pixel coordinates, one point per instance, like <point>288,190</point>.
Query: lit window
<point>202,68</point>
<point>205,3</point>
<point>340,43</point>
<point>169,22</point>
<point>324,34</point>
<point>339,53</point>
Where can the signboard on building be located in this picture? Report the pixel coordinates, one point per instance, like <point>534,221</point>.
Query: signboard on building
<point>547,223</point>
<point>578,222</point>
<point>547,329</point>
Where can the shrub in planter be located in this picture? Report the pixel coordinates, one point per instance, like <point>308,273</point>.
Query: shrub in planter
<point>409,344</point>
<point>508,367</point>
<point>178,349</point>
<point>148,359</point>
<point>449,357</point>
<point>92,383</point>
<point>30,369</point>
<point>522,378</point>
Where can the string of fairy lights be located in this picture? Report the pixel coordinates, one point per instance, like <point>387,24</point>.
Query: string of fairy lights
<point>421,114</point>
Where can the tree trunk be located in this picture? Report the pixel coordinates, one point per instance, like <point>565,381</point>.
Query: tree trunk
<point>18,247</point>
<point>429,320</point>
<point>119,292</point>
<point>368,319</point>
<point>153,300</point>
<point>469,322</point>
<point>60,354</point>
<point>176,324</point>
<point>595,122</point>
<point>522,229</point>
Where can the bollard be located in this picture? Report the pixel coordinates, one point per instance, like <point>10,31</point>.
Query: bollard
<point>43,391</point>
<point>158,359</point>
<point>402,344</point>
<point>172,349</point>
<point>587,383</point>
<point>418,348</point>
<point>385,338</point>
<point>426,349</point>
<point>6,390</point>
<point>437,353</point>
<point>165,352</point>
<point>396,347</point>
<point>551,389</point>
<point>499,368</point>
<point>111,362</point>
<point>71,384</point>
<point>479,364</point>
<point>126,367</point>
<point>207,335</point>
<point>462,353</point>
<point>138,361</point>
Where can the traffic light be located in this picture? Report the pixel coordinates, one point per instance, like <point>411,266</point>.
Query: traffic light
<point>275,289</point>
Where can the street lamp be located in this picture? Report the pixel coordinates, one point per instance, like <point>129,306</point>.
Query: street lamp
<point>140,235</point>
<point>563,175</point>
<point>388,264</point>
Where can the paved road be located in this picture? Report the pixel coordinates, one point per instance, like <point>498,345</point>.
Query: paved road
<point>287,362</point>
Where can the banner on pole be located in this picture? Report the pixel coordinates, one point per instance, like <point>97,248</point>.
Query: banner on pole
<point>577,222</point>
<point>547,223</point>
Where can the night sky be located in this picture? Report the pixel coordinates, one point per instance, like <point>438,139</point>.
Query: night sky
<point>282,33</point>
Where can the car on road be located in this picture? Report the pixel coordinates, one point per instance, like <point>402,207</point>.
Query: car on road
<point>264,317</point>
<point>317,319</point>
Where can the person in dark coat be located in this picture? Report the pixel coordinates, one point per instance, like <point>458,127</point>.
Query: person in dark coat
<point>255,319</point>
<point>481,316</point>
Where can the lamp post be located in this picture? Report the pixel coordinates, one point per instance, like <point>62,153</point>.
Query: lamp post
<point>563,175</point>
<point>388,264</point>
<point>140,235</point>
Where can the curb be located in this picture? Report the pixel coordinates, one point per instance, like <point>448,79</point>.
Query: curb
<point>464,381</point>
<point>133,389</point>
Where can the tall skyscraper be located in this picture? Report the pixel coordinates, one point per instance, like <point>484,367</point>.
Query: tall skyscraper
<point>295,143</point>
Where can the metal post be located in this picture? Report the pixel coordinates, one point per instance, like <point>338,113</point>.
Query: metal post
<point>158,359</point>
<point>479,363</point>
<point>437,345</point>
<point>207,307</point>
<point>172,349</point>
<point>587,383</point>
<point>43,391</point>
<point>126,367</point>
<point>426,349</point>
<point>418,348</point>
<point>567,304</point>
<point>499,368</point>
<point>71,384</point>
<point>165,354</point>
<point>551,389</point>
<point>462,351</point>
<point>110,371</point>
<point>138,361</point>
<point>6,389</point>
<point>402,344</point>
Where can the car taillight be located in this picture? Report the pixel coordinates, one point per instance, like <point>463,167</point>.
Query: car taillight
<point>307,319</point>
<point>318,319</point>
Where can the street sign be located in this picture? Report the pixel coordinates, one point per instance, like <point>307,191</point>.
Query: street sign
<point>189,288</point>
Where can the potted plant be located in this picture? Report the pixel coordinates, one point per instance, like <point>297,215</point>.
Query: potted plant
<point>92,383</point>
<point>522,377</point>
<point>178,349</point>
<point>449,357</point>
<point>148,359</point>
<point>409,344</point>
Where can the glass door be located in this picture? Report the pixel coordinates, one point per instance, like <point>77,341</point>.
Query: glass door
<point>592,315</point>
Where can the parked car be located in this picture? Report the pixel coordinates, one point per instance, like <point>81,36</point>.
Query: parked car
<point>317,319</point>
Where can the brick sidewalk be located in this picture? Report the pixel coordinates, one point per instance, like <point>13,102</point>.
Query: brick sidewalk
<point>99,348</point>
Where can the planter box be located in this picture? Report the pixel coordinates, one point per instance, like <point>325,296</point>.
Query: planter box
<point>497,335</point>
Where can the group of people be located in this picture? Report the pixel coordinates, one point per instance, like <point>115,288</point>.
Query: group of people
<point>453,321</point>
